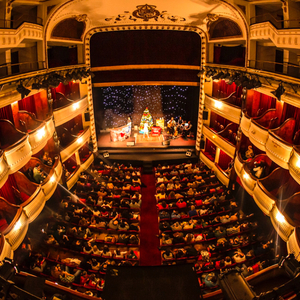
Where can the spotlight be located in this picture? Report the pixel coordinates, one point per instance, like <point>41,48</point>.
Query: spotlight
<point>240,79</point>
<point>290,265</point>
<point>220,75</point>
<point>279,91</point>
<point>23,90</point>
<point>36,85</point>
<point>90,73</point>
<point>45,84</point>
<point>226,75</point>
<point>208,73</point>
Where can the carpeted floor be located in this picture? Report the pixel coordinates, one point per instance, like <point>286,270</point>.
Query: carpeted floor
<point>150,255</point>
<point>151,283</point>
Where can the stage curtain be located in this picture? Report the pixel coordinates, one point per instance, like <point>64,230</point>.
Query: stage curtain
<point>6,190</point>
<point>6,113</point>
<point>27,104</point>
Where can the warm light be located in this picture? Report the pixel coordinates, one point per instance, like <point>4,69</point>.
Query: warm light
<point>14,103</point>
<point>213,136</point>
<point>298,163</point>
<point>18,225</point>
<point>52,179</point>
<point>75,106</point>
<point>218,104</point>
<point>41,133</point>
<point>246,176</point>
<point>279,217</point>
<point>80,140</point>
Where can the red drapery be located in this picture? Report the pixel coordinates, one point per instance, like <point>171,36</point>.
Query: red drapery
<point>27,104</point>
<point>224,160</point>
<point>6,190</point>
<point>6,113</point>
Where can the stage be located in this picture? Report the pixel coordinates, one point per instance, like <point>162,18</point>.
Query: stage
<point>142,150</point>
<point>143,142</point>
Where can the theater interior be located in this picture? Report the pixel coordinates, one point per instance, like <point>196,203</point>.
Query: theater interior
<point>149,150</point>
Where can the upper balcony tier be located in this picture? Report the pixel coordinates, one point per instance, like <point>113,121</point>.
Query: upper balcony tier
<point>65,109</point>
<point>76,143</point>
<point>224,107</point>
<point>220,140</point>
<point>39,131</point>
<point>283,33</point>
<point>16,146</point>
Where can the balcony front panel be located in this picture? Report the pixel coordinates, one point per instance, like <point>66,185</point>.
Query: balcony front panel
<point>248,181</point>
<point>224,145</point>
<point>4,170</point>
<point>206,160</point>
<point>18,155</point>
<point>222,176</point>
<point>6,250</point>
<point>282,227</point>
<point>258,136</point>
<point>75,145</point>
<point>58,170</point>
<point>49,184</point>
<point>74,178</point>
<point>38,139</point>
<point>278,151</point>
<point>68,112</point>
<point>34,205</point>
<point>84,166</point>
<point>238,165</point>
<point>226,110</point>
<point>293,245</point>
<point>245,124</point>
<point>16,231</point>
<point>50,127</point>
<point>262,199</point>
<point>294,164</point>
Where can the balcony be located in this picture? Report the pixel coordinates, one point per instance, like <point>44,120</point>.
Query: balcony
<point>293,244</point>
<point>20,68</point>
<point>65,109</point>
<point>245,123</point>
<point>219,140</point>
<point>249,177</point>
<point>207,160</point>
<point>222,176</point>
<point>38,130</point>
<point>4,169</point>
<point>279,145</point>
<point>224,108</point>
<point>258,131</point>
<point>238,164</point>
<point>73,178</point>
<point>75,145</point>
<point>294,163</point>
<point>15,144</point>
<point>85,165</point>
<point>283,228</point>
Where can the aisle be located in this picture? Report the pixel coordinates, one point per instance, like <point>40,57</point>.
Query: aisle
<point>150,255</point>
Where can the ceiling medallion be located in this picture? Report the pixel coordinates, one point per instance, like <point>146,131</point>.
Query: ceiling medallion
<point>145,12</point>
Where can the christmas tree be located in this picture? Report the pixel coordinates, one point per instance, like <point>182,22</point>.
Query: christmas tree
<point>146,117</point>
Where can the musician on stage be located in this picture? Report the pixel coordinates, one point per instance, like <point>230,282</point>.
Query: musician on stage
<point>187,130</point>
<point>171,125</point>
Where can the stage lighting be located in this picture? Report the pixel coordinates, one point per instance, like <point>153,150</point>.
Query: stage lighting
<point>45,84</point>
<point>36,85</point>
<point>219,76</point>
<point>90,73</point>
<point>208,73</point>
<point>23,90</point>
<point>240,80</point>
<point>279,91</point>
<point>8,269</point>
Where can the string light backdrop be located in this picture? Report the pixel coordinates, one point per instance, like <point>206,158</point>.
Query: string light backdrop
<point>115,104</point>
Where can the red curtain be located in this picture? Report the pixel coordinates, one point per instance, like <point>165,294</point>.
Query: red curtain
<point>6,113</point>
<point>7,191</point>
<point>224,160</point>
<point>27,104</point>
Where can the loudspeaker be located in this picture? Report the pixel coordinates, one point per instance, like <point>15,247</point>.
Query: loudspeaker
<point>205,115</point>
<point>130,144</point>
<point>202,144</point>
<point>87,117</point>
<point>189,153</point>
<point>106,154</point>
<point>166,143</point>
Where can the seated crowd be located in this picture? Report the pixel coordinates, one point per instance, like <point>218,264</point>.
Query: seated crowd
<point>201,222</point>
<point>96,226</point>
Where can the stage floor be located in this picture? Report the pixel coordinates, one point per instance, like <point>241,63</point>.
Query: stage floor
<point>143,142</point>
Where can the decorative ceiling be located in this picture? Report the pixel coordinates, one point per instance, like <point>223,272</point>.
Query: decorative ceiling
<point>103,13</point>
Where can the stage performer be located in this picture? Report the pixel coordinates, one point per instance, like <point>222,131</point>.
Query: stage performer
<point>171,125</point>
<point>187,130</point>
<point>146,129</point>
